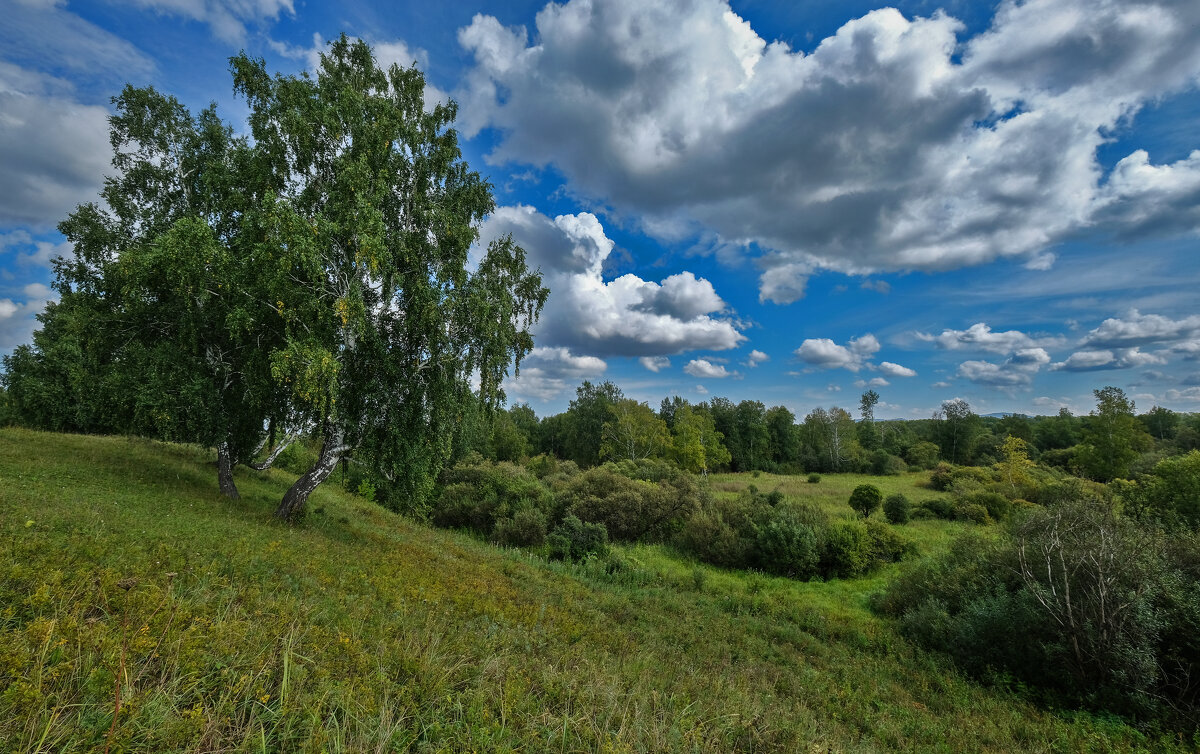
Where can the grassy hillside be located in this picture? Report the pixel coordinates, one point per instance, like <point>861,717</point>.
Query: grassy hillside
<point>360,631</point>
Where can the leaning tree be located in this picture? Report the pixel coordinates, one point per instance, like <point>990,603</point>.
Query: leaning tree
<point>387,322</point>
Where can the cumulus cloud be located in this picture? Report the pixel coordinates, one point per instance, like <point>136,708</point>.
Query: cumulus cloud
<point>895,370</point>
<point>627,316</point>
<point>825,354</point>
<point>755,358</point>
<point>1017,370</point>
<point>54,149</point>
<point>1092,360</point>
<point>33,252</point>
<point>655,363</point>
<point>1137,329</point>
<point>1188,395</point>
<point>873,382</point>
<point>705,368</point>
<point>546,373</point>
<point>981,337</point>
<point>892,145</point>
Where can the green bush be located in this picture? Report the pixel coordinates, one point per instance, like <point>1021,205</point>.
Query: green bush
<point>972,512</point>
<point>866,499</point>
<point>997,506</point>
<point>847,550</point>
<point>814,478</point>
<point>883,463</point>
<point>942,477</point>
<point>630,509</point>
<point>897,509</point>
<point>575,540</point>
<point>787,546</point>
<point>707,536</point>
<point>477,494</point>
<point>939,507</point>
<point>526,528</point>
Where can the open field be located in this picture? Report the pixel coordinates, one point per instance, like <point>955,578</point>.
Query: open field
<point>358,630</point>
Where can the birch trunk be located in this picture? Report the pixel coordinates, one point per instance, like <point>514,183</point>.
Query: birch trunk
<point>225,472</point>
<point>294,500</point>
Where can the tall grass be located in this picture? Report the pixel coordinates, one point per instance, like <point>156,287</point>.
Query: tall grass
<point>357,630</point>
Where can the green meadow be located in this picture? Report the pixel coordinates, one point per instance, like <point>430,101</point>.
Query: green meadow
<point>142,612</point>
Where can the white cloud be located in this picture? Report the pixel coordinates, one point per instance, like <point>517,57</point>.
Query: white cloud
<point>227,19</point>
<point>1090,360</point>
<point>55,150</point>
<point>1016,371</point>
<point>825,354</point>
<point>1138,329</point>
<point>873,382</point>
<point>30,251</point>
<point>705,368</point>
<point>546,373</point>
<point>755,358</point>
<point>49,33</point>
<point>627,316</point>
<point>701,390</point>
<point>891,146</point>
<point>655,363</point>
<point>879,286</point>
<point>1191,394</point>
<point>981,337</point>
<point>895,370</point>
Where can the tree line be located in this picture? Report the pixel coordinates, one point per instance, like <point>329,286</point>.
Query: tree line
<point>601,424</point>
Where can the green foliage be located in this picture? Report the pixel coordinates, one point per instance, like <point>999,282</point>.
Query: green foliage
<point>866,499</point>
<point>885,464</point>
<point>633,432</point>
<point>632,508</point>
<point>787,545</point>
<point>897,508</point>
<point>478,495</point>
<point>573,539</point>
<point>814,478</point>
<point>923,454</point>
<point>585,419</point>
<point>1170,492</point>
<point>1113,437</point>
<point>526,528</point>
<point>697,446</point>
<point>1074,599</point>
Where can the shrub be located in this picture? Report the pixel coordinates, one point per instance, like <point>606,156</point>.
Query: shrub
<point>478,494</point>
<point>630,509</point>
<point>941,478</point>
<point>847,550</point>
<point>785,545</point>
<point>526,528</point>
<point>939,507</point>
<point>814,478</point>
<point>883,463</point>
<point>897,509</point>
<point>923,455</point>
<point>866,499</point>
<point>972,512</point>
<point>774,498</point>
<point>710,538</point>
<point>887,546</point>
<point>997,506</point>
<point>575,540</point>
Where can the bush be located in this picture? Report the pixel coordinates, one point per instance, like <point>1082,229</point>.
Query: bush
<point>942,477</point>
<point>575,540</point>
<point>897,509</point>
<point>939,507</point>
<point>997,506</point>
<point>527,528</point>
<point>923,455</point>
<point>477,494</point>
<point>866,499</point>
<point>972,512</point>
<point>630,509</point>
<point>1084,604</point>
<point>814,478</point>
<point>710,538</point>
<point>883,463</point>
<point>787,546</point>
<point>847,550</point>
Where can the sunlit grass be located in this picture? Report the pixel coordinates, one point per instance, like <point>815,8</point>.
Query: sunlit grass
<point>360,631</point>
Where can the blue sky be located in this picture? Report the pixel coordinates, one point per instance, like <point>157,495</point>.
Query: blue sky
<point>789,202</point>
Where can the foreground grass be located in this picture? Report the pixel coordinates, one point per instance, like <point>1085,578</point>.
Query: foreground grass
<point>121,569</point>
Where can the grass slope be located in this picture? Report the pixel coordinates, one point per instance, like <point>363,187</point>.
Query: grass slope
<point>361,631</point>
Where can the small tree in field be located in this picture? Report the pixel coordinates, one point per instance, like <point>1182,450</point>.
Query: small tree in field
<point>866,499</point>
